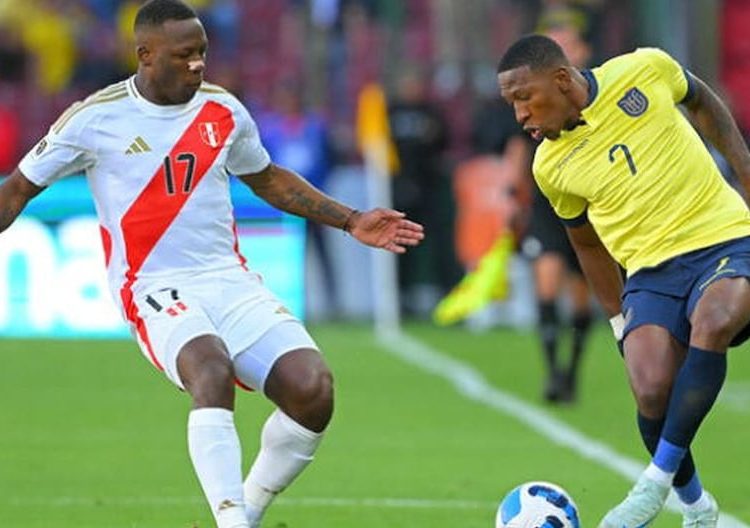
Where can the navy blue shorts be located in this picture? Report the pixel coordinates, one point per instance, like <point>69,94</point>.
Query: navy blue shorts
<point>666,295</point>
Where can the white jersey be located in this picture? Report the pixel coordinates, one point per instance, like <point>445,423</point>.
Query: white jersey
<point>160,180</point>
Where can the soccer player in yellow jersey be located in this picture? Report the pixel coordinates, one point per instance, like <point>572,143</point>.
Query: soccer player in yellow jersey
<point>634,184</point>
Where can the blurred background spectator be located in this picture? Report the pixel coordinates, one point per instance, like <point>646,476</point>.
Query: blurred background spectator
<point>420,136</point>
<point>297,138</point>
<point>53,52</point>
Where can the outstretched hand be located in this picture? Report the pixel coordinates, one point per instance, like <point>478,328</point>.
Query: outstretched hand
<point>386,229</point>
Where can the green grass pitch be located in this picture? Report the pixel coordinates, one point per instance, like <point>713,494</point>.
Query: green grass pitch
<point>92,437</point>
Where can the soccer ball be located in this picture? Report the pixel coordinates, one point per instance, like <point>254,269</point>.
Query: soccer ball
<point>537,505</point>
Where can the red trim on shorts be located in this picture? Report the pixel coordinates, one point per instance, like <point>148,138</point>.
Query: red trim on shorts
<point>126,293</point>
<point>157,206</point>
<point>242,385</point>
<point>140,328</point>
<point>242,258</point>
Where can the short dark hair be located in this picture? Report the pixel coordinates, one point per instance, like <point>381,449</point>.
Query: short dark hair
<point>535,51</point>
<point>155,12</point>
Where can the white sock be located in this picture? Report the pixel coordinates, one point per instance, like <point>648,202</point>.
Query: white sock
<point>232,517</point>
<point>702,503</point>
<point>215,451</point>
<point>286,448</point>
<point>656,473</point>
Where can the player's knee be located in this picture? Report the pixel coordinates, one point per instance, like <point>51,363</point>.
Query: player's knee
<point>301,385</point>
<point>316,391</point>
<point>713,330</point>
<point>213,384</point>
<point>652,400</point>
<point>311,401</point>
<point>651,388</point>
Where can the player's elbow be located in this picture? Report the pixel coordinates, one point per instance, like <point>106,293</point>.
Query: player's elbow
<point>15,193</point>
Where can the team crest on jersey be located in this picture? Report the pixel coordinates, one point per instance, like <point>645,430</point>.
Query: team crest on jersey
<point>633,103</point>
<point>210,134</point>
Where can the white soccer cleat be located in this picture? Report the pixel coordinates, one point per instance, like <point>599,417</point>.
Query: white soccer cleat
<point>707,517</point>
<point>640,507</point>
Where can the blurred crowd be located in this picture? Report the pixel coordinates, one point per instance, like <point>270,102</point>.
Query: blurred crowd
<point>53,52</point>
<point>299,65</point>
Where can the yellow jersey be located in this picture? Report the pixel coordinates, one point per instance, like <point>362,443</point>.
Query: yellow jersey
<point>637,169</point>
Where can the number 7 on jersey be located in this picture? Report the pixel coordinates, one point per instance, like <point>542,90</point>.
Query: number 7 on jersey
<point>628,157</point>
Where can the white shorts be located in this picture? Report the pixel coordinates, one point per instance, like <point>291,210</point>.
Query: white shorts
<point>235,306</point>
<point>251,367</point>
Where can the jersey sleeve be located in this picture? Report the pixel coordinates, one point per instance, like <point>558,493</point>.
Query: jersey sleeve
<point>571,209</point>
<point>247,155</point>
<point>678,80</point>
<point>66,149</point>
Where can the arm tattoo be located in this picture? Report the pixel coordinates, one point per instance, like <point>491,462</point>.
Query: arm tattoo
<point>289,192</point>
<point>304,203</point>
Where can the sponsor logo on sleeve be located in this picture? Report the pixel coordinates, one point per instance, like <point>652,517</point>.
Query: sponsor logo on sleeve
<point>40,147</point>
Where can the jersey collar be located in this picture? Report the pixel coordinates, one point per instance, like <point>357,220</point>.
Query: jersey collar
<point>593,86</point>
<point>587,114</point>
<point>155,109</point>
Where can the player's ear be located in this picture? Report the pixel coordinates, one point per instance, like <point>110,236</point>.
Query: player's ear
<point>563,79</point>
<point>144,54</point>
<point>146,42</point>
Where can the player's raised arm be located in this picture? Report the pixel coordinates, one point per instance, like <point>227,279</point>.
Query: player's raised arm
<point>382,228</point>
<point>712,119</point>
<point>601,270</point>
<point>15,193</point>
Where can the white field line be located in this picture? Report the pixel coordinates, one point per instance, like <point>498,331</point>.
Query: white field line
<point>313,502</point>
<point>471,383</point>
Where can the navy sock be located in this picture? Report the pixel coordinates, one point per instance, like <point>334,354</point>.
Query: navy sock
<point>650,430</point>
<point>690,492</point>
<point>695,390</point>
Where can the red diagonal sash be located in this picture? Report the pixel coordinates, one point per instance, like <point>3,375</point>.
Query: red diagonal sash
<point>160,202</point>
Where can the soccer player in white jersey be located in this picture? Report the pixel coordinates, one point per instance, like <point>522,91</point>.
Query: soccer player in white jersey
<point>158,150</point>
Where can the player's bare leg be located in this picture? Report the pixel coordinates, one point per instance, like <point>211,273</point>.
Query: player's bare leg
<point>652,359</point>
<point>301,385</point>
<point>652,362</point>
<point>208,376</point>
